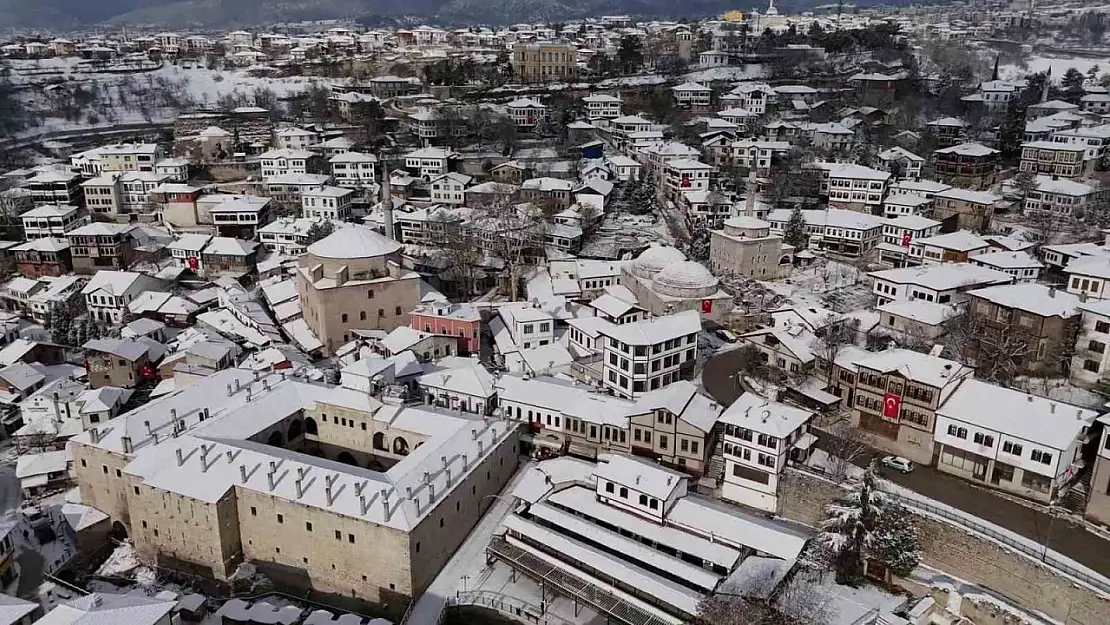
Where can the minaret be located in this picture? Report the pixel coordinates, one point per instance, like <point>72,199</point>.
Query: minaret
<point>749,205</point>
<point>386,197</point>
<point>994,74</point>
<point>1047,82</point>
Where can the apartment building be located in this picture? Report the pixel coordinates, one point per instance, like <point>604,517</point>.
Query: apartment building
<point>602,106</point>
<point>52,221</point>
<point>640,357</point>
<point>844,232</point>
<point>354,170</point>
<point>1010,440</point>
<point>353,279</point>
<point>1053,158</point>
<point>853,187</point>
<point>1059,196</point>
<point>964,209</point>
<point>758,438</point>
<point>122,193</point>
<point>745,246</point>
<point>969,165</point>
<point>895,397</point>
<point>264,481</point>
<point>945,283</point>
<point>544,61</point>
<point>327,202</point>
<point>99,246</point>
<point>1032,323</point>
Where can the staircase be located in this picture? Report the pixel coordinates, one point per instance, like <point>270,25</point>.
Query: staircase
<point>1079,491</point>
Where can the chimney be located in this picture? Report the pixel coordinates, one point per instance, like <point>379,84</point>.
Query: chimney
<point>149,432</point>
<point>444,459</point>
<point>126,441</point>
<point>362,503</point>
<point>358,488</point>
<point>328,494</point>
<point>270,480</point>
<point>243,473</point>
<point>342,275</point>
<point>229,390</point>
<point>464,462</point>
<point>448,472</point>
<point>237,385</point>
<point>273,466</point>
<point>1052,408</point>
<point>94,436</point>
<point>180,457</point>
<point>1052,291</point>
<point>266,383</point>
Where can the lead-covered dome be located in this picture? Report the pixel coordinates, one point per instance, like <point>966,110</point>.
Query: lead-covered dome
<point>655,259</point>
<point>686,279</point>
<point>351,242</point>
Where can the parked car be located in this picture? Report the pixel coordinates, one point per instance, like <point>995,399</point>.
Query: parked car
<point>898,463</point>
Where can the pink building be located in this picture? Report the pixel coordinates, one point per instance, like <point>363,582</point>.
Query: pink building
<point>458,320</point>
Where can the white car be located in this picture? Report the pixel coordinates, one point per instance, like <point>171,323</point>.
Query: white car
<point>898,463</point>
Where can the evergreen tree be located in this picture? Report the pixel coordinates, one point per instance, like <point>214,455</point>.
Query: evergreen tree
<point>896,540</point>
<point>698,247</point>
<point>795,231</point>
<point>318,231</point>
<point>848,531</point>
<point>1072,80</point>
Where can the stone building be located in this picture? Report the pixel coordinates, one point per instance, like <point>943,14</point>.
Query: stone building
<point>745,246</point>
<point>322,488</point>
<point>664,282</point>
<point>545,61</point>
<point>353,279</point>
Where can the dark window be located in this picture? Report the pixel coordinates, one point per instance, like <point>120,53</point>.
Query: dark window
<point>281,519</point>
<point>308,526</point>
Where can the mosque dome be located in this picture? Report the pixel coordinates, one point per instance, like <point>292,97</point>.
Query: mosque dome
<point>686,279</point>
<point>655,259</point>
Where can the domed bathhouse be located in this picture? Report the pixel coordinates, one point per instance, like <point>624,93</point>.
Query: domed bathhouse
<point>665,282</point>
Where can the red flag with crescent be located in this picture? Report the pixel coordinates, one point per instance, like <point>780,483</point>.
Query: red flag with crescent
<point>892,406</point>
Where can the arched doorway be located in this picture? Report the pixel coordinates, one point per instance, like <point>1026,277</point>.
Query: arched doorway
<point>276,439</point>
<point>310,426</point>
<point>296,428</point>
<point>346,458</point>
<point>400,446</point>
<point>119,531</point>
<point>379,441</point>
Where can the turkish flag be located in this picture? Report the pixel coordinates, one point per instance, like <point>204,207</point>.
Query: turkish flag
<point>685,181</point>
<point>193,262</point>
<point>905,239</point>
<point>892,406</point>
<point>707,306</point>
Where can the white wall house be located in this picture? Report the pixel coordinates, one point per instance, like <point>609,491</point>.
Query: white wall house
<point>354,170</point>
<point>1011,440</point>
<point>1091,363</point>
<point>638,486</point>
<point>602,106</point>
<point>648,355</point>
<point>759,437</point>
<point>449,188</point>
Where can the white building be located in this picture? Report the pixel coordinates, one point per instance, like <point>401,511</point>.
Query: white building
<point>526,112</point>
<point>682,175</point>
<point>853,186</point>
<point>760,436</point>
<point>429,162</point>
<point>296,138</point>
<point>754,96</point>
<point>1059,196</point>
<point>1011,440</point>
<point>1091,362</point>
<point>284,161</point>
<point>692,95</point>
<point>354,170</point>
<point>842,231</point>
<point>449,188</point>
<point>941,284</point>
<point>648,355</point>
<point>897,158</point>
<point>602,106</point>
<point>108,293</point>
<point>1089,276</point>
<point>326,202</point>
<point>53,221</point>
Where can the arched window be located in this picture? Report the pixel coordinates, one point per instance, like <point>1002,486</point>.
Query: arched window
<point>397,310</point>
<point>379,441</point>
<point>343,317</point>
<point>310,426</point>
<point>276,439</point>
<point>362,315</point>
<point>370,294</point>
<point>381,312</point>
<point>400,446</point>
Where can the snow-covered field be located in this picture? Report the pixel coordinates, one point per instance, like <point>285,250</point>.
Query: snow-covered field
<point>1058,65</point>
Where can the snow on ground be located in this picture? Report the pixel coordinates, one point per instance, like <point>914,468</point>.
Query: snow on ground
<point>848,605</point>
<point>813,286</point>
<point>123,560</point>
<point>960,589</point>
<point>1061,390</point>
<point>1058,65</point>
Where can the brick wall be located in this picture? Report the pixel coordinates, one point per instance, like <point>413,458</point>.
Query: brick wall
<point>950,549</point>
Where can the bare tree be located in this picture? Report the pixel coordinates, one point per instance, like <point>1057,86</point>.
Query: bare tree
<point>462,248</point>
<point>831,339</point>
<point>845,443</point>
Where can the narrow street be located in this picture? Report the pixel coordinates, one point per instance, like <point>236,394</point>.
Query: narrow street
<point>1058,533</point>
